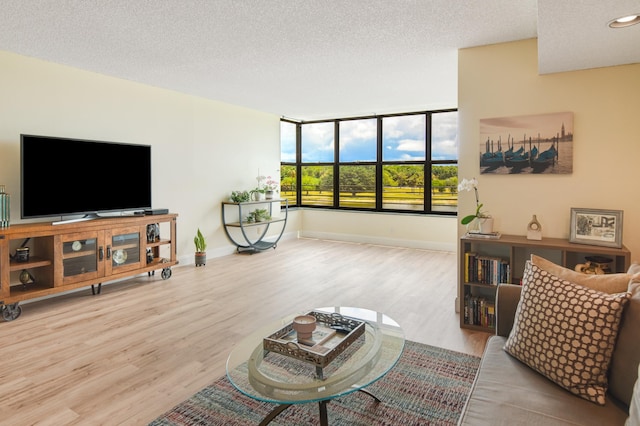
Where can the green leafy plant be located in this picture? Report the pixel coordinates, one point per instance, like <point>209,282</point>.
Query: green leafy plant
<point>258,215</point>
<point>200,243</point>
<point>240,196</point>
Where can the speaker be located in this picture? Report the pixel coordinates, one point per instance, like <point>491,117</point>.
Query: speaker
<point>156,211</point>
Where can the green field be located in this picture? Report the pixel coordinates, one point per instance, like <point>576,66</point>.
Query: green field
<point>394,197</point>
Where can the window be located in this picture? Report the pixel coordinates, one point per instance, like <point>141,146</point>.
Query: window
<point>288,159</point>
<point>400,162</point>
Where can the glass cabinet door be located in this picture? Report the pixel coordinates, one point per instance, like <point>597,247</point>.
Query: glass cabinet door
<point>123,250</point>
<point>82,255</point>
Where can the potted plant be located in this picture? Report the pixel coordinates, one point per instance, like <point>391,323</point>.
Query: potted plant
<point>257,194</point>
<point>483,220</point>
<point>240,196</point>
<point>271,187</point>
<point>201,246</point>
<point>258,215</point>
<point>261,215</point>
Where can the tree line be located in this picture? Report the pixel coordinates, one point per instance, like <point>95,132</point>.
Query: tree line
<point>361,178</point>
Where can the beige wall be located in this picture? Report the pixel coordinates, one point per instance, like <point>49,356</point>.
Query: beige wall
<point>502,80</point>
<point>204,149</point>
<point>425,232</point>
<point>201,149</point>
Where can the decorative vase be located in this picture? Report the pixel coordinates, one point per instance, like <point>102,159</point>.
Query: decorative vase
<point>257,196</point>
<point>534,229</point>
<point>4,208</point>
<point>268,195</point>
<point>486,225</point>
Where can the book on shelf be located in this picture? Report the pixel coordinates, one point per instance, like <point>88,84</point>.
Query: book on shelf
<point>483,269</point>
<point>485,235</point>
<point>479,311</point>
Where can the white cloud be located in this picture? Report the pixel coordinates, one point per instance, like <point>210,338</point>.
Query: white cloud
<point>411,145</point>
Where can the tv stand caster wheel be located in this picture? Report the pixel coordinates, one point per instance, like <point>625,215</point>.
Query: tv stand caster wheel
<point>166,273</point>
<point>11,312</point>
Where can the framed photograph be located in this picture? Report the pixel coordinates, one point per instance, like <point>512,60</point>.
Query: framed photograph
<point>527,144</point>
<point>596,227</point>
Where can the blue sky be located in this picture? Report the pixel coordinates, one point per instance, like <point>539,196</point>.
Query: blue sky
<point>403,139</point>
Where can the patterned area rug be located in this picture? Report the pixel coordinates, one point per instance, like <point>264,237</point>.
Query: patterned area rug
<point>428,386</point>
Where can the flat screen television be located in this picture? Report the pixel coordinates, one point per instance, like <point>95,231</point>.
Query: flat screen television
<point>65,177</point>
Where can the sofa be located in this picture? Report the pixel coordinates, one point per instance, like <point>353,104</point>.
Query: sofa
<point>508,391</point>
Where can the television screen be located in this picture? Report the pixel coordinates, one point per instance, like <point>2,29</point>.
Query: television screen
<point>61,176</point>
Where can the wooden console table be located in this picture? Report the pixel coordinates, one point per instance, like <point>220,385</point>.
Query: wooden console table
<point>66,256</point>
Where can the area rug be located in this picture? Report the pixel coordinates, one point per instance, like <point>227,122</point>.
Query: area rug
<point>428,386</point>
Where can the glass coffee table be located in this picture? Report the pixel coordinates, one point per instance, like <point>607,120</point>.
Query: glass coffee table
<point>286,379</point>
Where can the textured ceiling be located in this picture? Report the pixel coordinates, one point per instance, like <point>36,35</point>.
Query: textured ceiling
<point>309,59</point>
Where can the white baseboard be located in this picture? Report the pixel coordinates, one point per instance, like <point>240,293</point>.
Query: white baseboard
<point>189,259</point>
<point>352,238</point>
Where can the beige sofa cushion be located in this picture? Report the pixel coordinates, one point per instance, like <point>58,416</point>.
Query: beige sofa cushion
<point>508,393</point>
<point>566,331</point>
<point>626,356</point>
<point>608,283</point>
<point>634,408</point>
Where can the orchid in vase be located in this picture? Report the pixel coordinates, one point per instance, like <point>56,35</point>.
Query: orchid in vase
<point>266,185</point>
<point>468,185</point>
<point>271,184</point>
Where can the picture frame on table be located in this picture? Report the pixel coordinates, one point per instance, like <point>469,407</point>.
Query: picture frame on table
<point>596,227</point>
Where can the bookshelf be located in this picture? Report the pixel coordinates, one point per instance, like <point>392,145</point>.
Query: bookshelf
<point>486,262</point>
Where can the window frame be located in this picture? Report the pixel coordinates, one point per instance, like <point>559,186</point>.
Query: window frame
<point>428,163</point>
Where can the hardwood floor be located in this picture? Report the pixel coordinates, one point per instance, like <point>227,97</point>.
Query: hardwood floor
<point>146,344</point>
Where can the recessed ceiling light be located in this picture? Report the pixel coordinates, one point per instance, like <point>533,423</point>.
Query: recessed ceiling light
<point>625,21</point>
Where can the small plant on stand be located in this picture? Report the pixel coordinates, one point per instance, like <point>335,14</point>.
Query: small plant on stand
<point>201,246</point>
<point>261,215</point>
<point>240,196</point>
<point>271,187</point>
<point>257,194</point>
<point>258,215</point>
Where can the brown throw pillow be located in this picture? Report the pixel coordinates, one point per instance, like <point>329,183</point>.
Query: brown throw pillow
<point>566,332</point>
<point>608,283</point>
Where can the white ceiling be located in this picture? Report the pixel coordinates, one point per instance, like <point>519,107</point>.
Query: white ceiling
<point>311,59</point>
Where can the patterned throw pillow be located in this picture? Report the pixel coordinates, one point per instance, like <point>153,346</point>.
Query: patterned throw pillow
<point>566,332</point>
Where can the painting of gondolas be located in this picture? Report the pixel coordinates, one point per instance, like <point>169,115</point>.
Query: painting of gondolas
<point>541,143</point>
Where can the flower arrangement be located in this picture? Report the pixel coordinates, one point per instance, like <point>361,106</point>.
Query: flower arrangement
<point>261,186</point>
<point>271,185</point>
<point>468,185</point>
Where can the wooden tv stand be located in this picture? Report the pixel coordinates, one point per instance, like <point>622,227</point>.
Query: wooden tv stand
<point>67,256</point>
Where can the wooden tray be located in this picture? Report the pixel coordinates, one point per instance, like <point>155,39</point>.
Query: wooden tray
<point>334,333</point>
